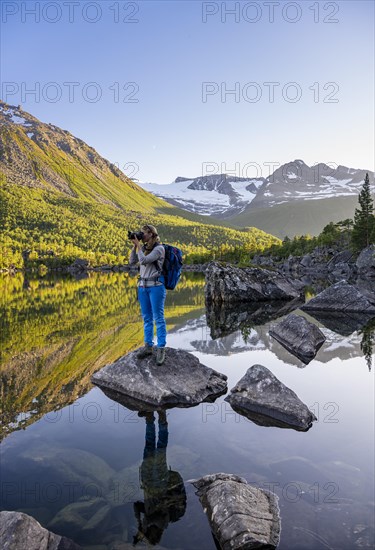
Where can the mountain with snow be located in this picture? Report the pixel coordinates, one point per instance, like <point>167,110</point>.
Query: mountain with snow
<point>296,181</point>
<point>218,195</point>
<point>294,199</point>
<point>225,196</point>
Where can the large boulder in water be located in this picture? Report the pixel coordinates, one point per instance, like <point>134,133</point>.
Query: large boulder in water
<point>240,516</point>
<point>182,381</point>
<point>341,296</point>
<point>262,398</point>
<point>18,531</point>
<point>298,336</point>
<point>366,262</point>
<point>225,283</point>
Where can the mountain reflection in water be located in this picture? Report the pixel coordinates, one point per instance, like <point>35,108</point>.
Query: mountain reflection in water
<point>56,332</point>
<point>90,468</point>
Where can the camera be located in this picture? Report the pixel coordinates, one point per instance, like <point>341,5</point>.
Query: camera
<point>135,234</point>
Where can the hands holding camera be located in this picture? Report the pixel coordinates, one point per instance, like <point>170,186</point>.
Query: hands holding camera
<point>136,242</point>
<point>135,237</point>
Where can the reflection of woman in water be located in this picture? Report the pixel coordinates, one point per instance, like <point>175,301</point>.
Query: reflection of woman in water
<point>164,491</point>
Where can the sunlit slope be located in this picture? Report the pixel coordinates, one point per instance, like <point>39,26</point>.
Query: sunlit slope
<point>35,154</point>
<point>298,218</point>
<point>61,200</point>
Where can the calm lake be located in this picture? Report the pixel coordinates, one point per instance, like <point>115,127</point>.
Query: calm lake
<point>76,461</point>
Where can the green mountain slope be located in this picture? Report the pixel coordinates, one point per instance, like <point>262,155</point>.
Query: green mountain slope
<point>60,200</point>
<point>53,159</point>
<point>298,218</point>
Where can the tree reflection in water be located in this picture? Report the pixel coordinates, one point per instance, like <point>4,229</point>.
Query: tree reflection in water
<point>368,341</point>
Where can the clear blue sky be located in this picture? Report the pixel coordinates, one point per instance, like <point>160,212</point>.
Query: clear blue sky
<point>169,52</point>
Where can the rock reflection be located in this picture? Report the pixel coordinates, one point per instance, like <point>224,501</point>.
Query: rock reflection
<point>342,323</point>
<point>245,327</point>
<point>223,319</point>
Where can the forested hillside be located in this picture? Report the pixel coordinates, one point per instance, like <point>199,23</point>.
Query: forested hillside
<point>59,200</point>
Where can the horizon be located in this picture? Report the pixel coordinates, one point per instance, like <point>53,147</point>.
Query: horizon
<point>213,84</point>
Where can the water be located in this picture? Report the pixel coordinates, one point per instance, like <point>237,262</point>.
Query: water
<point>74,459</point>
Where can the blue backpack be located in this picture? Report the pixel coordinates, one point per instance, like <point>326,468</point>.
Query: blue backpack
<point>172,266</point>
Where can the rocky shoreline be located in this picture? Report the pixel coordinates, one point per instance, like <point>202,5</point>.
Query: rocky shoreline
<point>323,262</point>
<point>82,266</point>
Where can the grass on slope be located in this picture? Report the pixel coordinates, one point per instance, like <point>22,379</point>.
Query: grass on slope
<point>95,182</point>
<point>298,218</point>
<point>57,229</point>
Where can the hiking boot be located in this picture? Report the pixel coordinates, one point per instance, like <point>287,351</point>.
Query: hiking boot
<point>160,356</point>
<point>162,417</point>
<point>146,351</point>
<point>149,415</point>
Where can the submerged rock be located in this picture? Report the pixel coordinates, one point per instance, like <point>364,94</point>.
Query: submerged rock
<point>298,336</point>
<point>19,531</point>
<point>262,398</point>
<point>341,297</point>
<point>82,517</point>
<point>89,473</point>
<point>233,284</point>
<point>182,381</point>
<point>240,516</point>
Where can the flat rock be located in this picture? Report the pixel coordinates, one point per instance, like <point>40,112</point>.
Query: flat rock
<point>262,398</point>
<point>18,531</point>
<point>341,296</point>
<point>240,516</point>
<point>225,283</point>
<point>182,381</point>
<point>298,336</point>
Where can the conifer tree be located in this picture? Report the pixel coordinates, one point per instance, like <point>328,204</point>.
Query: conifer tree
<point>364,220</point>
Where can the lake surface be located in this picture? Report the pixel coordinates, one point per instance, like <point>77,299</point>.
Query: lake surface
<point>76,460</point>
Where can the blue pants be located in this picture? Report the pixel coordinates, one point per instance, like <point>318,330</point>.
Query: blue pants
<point>152,300</point>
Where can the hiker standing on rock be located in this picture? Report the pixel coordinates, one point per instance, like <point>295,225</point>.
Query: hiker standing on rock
<point>151,290</point>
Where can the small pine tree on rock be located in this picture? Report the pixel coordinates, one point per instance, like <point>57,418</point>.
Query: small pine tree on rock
<point>364,220</point>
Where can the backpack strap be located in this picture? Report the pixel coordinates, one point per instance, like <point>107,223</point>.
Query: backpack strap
<point>156,261</point>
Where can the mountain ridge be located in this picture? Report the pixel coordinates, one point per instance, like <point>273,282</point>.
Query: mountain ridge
<point>38,154</point>
<point>59,200</point>
<point>237,200</point>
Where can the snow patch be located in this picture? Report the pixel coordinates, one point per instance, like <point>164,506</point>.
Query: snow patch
<point>15,118</point>
<point>331,179</point>
<point>200,200</point>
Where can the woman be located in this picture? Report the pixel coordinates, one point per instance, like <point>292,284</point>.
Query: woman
<point>151,290</point>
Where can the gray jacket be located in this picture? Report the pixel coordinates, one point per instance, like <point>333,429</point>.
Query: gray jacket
<point>150,265</point>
